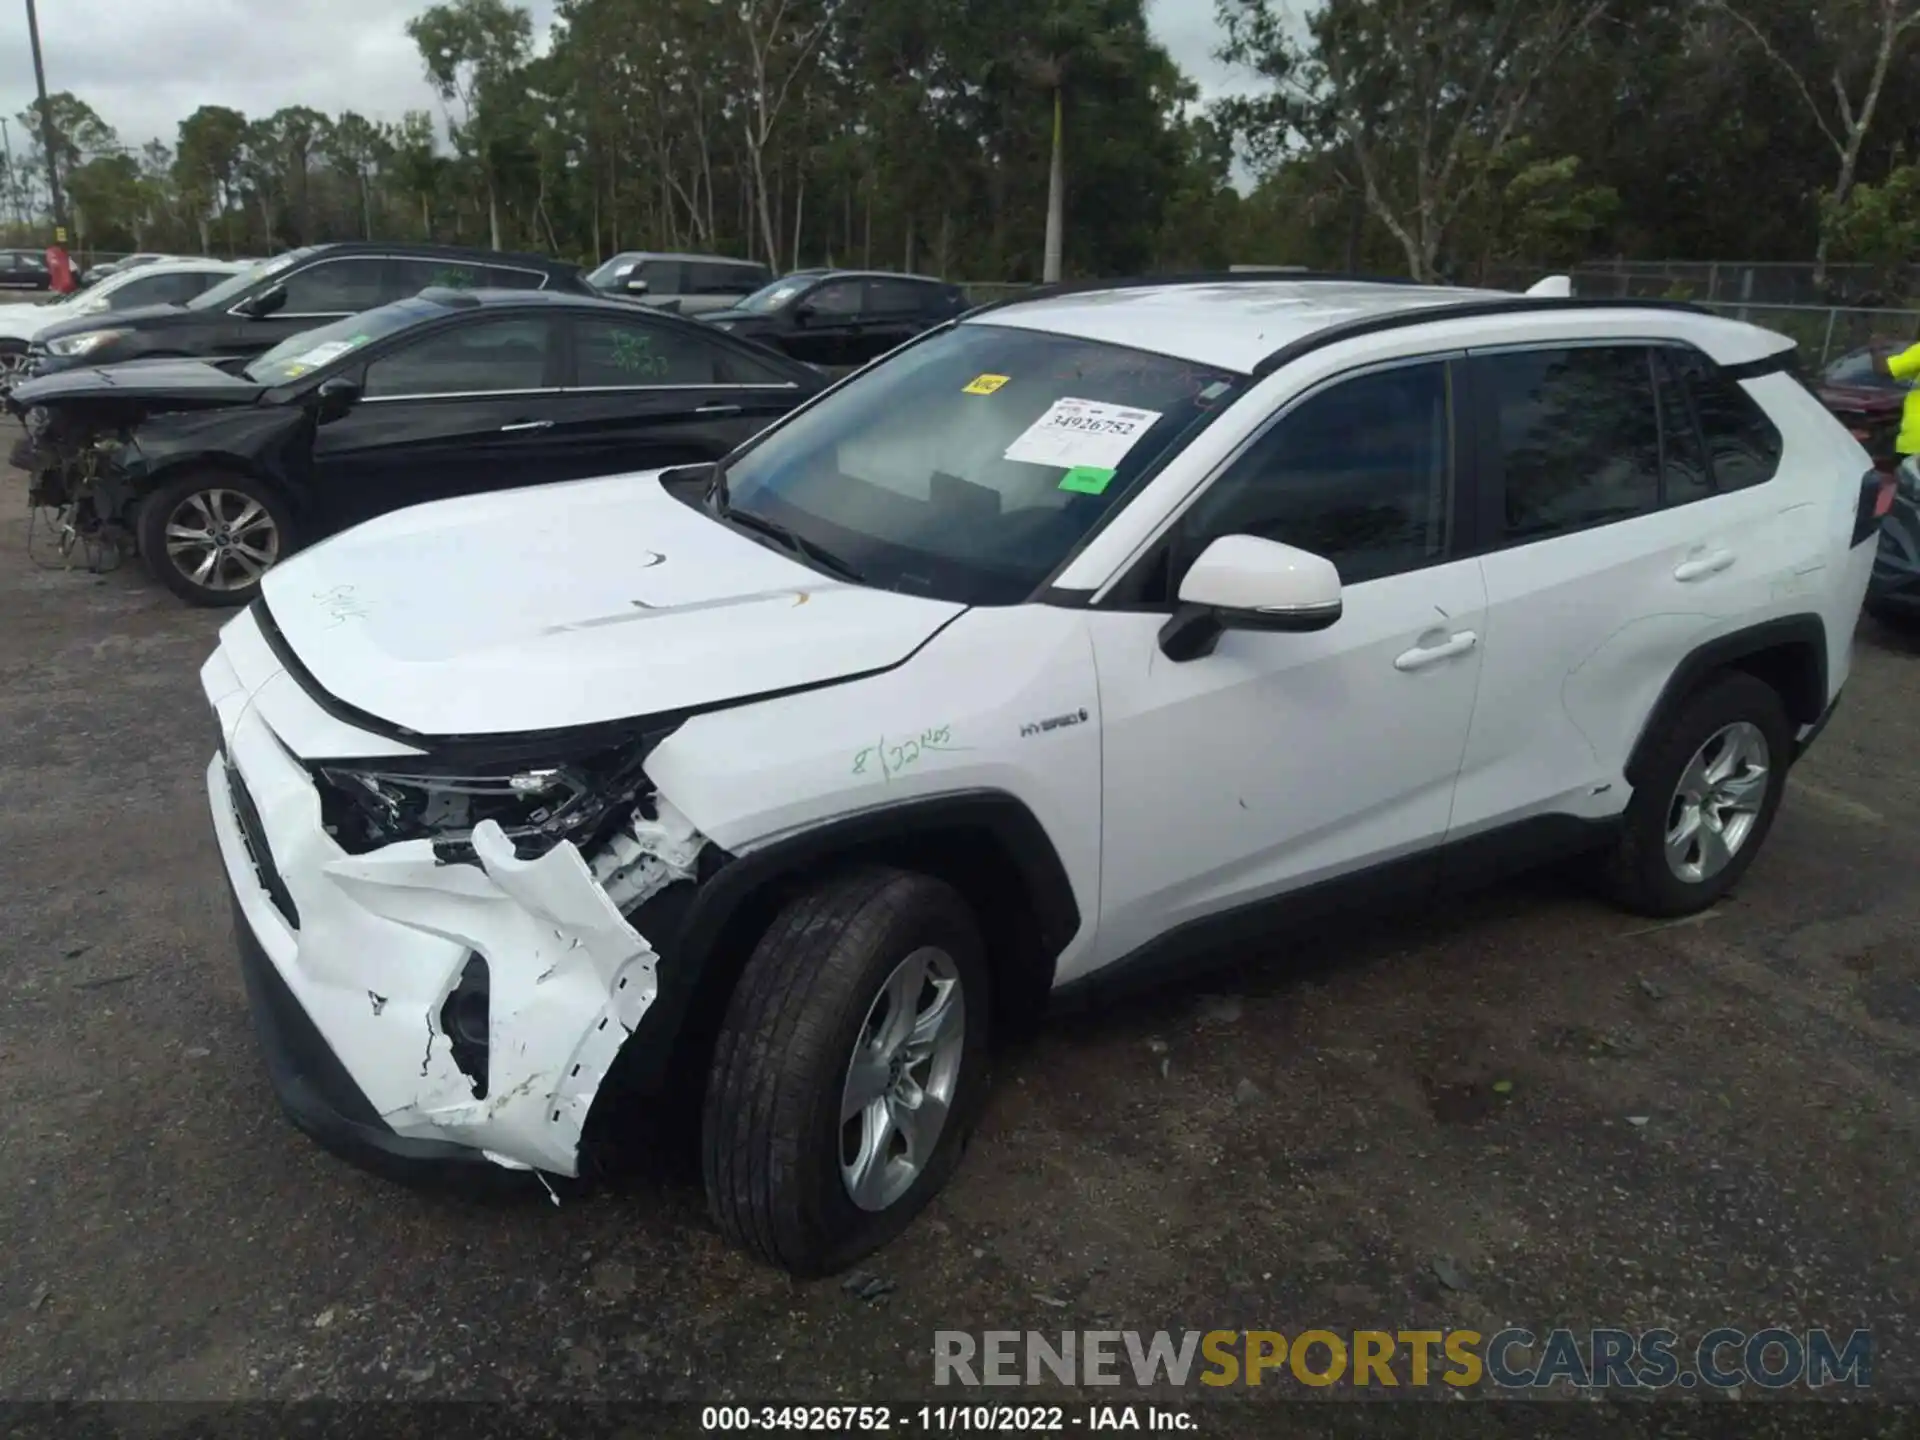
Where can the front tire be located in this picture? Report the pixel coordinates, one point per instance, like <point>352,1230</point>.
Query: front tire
<point>210,536</point>
<point>849,1072</point>
<point>1712,788</point>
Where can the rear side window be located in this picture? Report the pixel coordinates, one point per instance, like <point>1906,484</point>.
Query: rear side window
<point>900,297</point>
<point>505,277</point>
<point>706,278</point>
<point>618,354</point>
<point>1579,437</point>
<point>1743,444</point>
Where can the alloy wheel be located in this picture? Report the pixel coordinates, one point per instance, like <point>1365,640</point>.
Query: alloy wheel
<point>901,1078</point>
<point>1717,802</point>
<point>222,539</point>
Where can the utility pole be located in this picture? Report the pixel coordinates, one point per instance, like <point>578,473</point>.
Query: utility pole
<point>46,130</point>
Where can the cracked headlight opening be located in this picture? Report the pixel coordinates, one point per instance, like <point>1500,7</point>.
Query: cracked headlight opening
<point>537,805</point>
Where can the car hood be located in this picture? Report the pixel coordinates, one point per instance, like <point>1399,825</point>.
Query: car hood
<point>164,384</point>
<point>737,317</point>
<point>572,604</point>
<point>140,317</point>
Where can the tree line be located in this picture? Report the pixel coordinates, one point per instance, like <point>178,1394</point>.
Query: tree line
<point>1009,139</point>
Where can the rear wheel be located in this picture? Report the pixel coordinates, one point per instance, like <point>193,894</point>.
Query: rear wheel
<point>1712,789</point>
<point>210,536</point>
<point>849,1071</point>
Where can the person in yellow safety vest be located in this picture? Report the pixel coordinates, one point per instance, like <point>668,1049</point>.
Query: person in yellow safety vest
<point>1904,366</point>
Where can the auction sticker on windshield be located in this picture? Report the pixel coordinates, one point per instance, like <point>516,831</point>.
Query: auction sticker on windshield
<point>332,350</point>
<point>984,384</point>
<point>1077,432</point>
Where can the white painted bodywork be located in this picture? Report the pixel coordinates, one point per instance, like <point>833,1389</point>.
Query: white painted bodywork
<point>1445,701</point>
<point>24,322</point>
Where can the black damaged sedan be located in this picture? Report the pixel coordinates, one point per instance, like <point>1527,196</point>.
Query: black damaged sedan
<point>214,470</point>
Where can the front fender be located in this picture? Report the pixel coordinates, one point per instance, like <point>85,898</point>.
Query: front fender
<point>274,443</point>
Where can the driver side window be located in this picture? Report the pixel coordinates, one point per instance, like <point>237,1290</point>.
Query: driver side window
<point>837,298</point>
<point>510,353</point>
<point>1360,473</point>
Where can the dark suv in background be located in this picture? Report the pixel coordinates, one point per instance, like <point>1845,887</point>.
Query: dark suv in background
<point>300,290</point>
<point>838,319</point>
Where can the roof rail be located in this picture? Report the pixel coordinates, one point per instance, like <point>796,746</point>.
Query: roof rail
<point>1204,277</point>
<point>1463,310</point>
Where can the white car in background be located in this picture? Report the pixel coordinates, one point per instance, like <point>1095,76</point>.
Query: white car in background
<point>162,282</point>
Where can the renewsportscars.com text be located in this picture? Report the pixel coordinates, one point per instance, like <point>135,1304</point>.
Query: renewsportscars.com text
<point>1514,1359</point>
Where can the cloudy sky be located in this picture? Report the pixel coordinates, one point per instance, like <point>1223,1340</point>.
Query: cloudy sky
<point>143,64</point>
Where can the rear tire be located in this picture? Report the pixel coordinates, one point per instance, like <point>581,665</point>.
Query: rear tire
<point>805,1165</point>
<point>1712,788</point>
<point>210,535</point>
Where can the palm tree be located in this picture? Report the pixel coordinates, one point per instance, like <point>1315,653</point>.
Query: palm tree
<point>1072,39</point>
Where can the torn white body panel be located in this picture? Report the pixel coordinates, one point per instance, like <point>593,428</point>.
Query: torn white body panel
<point>383,939</point>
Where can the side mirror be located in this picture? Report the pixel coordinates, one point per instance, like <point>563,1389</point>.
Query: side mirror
<point>637,286</point>
<point>265,303</point>
<point>335,398</point>
<point>803,313</point>
<point>1241,582</point>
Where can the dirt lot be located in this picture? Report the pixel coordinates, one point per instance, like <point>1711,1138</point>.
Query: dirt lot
<point>1317,1140</point>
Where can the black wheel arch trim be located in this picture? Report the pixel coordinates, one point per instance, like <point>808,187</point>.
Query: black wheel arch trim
<point>1727,652</point>
<point>689,925</point>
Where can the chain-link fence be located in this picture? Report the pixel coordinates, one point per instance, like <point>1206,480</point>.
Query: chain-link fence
<point>1824,333</point>
<point>1721,282</point>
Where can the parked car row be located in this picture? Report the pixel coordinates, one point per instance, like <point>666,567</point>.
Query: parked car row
<point>248,411</point>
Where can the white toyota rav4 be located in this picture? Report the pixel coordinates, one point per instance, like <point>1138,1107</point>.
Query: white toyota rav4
<point>1060,646</point>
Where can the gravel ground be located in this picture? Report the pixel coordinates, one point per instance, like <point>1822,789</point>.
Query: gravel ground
<point>1527,1109</point>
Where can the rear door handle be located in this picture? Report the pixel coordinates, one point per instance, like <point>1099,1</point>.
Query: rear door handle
<point>1420,657</point>
<point>1705,565</point>
<point>717,410</point>
<point>527,425</point>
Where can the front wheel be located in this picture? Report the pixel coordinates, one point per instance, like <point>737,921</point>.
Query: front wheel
<point>210,536</point>
<point>849,1071</point>
<point>1712,788</point>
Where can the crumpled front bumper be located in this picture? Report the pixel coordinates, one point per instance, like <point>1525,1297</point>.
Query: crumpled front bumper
<point>351,960</point>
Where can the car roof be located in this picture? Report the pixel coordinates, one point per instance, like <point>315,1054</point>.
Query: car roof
<point>684,255</point>
<point>168,264</point>
<point>832,274</point>
<point>469,254</point>
<point>1245,323</point>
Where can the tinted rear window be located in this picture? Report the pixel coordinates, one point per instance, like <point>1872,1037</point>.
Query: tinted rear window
<point>1743,443</point>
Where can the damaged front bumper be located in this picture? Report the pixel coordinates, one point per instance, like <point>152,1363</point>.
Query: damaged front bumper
<point>416,1012</point>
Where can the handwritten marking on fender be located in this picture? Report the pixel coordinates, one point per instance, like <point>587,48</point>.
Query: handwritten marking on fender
<point>890,757</point>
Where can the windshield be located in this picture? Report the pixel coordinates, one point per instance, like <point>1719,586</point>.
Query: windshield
<point>232,288</point>
<point>615,269</point>
<point>300,355</point>
<point>769,298</point>
<point>970,465</point>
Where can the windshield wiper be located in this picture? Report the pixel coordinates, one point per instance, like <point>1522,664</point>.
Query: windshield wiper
<point>774,530</point>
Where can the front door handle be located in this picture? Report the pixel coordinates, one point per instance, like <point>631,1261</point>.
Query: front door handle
<point>717,410</point>
<point>527,425</point>
<point>1703,566</point>
<point>1420,657</point>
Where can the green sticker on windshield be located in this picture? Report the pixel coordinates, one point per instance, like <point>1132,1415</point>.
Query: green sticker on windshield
<point>1087,480</point>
